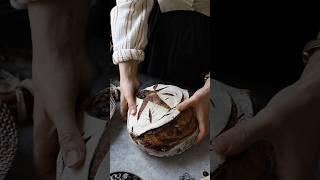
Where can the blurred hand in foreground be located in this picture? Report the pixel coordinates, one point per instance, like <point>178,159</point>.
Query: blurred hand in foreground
<point>291,122</point>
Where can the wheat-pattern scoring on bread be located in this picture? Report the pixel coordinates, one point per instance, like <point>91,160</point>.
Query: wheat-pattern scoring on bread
<point>158,127</point>
<point>156,106</point>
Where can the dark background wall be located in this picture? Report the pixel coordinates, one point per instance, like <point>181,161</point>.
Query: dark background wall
<point>258,44</point>
<point>15,30</point>
<point>16,45</point>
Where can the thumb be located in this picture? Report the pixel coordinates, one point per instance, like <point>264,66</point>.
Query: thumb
<point>240,137</point>
<point>186,104</point>
<point>72,146</point>
<point>131,103</point>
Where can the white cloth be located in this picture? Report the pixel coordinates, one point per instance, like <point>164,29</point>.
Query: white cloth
<point>129,24</point>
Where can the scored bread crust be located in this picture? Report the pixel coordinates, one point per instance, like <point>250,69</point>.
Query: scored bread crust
<point>175,150</point>
<point>156,106</point>
<point>164,134</point>
<point>170,139</point>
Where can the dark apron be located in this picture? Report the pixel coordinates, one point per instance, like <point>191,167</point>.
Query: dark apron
<point>178,47</point>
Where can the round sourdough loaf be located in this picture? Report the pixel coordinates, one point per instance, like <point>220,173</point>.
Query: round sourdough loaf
<point>158,128</point>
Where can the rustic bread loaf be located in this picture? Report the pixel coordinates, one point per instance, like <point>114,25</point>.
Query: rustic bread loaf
<point>158,127</point>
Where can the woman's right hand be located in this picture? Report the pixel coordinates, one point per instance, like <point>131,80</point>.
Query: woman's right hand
<point>290,122</point>
<point>129,84</point>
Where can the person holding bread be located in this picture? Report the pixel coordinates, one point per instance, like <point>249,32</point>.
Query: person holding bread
<point>169,40</point>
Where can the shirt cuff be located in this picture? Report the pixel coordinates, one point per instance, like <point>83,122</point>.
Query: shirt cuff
<point>123,55</point>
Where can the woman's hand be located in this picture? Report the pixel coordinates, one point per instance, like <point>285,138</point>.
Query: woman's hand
<point>129,84</point>
<point>58,34</point>
<point>200,102</point>
<point>291,122</point>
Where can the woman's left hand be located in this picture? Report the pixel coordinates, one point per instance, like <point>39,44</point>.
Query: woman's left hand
<point>200,102</point>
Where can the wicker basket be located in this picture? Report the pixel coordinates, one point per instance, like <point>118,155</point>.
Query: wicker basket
<point>8,140</point>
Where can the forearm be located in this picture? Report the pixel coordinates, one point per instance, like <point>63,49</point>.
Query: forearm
<point>128,70</point>
<point>310,78</point>
<point>53,53</point>
<point>55,83</point>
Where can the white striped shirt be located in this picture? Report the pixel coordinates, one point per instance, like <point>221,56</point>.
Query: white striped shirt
<point>129,24</point>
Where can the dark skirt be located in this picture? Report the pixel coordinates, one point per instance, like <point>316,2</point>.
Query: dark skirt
<point>178,47</point>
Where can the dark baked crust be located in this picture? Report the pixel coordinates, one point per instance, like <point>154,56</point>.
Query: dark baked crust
<point>99,105</point>
<point>169,135</point>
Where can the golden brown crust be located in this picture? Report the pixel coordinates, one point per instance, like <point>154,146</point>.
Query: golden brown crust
<point>171,134</point>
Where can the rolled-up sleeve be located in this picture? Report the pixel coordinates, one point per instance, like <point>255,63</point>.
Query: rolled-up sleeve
<point>129,27</point>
